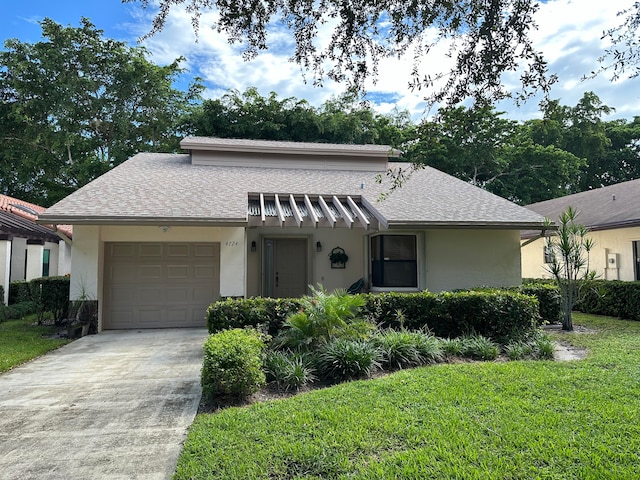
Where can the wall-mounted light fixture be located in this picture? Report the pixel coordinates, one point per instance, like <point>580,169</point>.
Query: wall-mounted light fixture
<point>254,247</point>
<point>164,228</point>
<point>318,247</point>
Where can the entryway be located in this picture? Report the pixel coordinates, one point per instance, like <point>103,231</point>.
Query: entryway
<point>285,267</point>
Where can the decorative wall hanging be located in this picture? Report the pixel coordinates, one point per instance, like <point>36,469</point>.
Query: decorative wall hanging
<point>338,258</point>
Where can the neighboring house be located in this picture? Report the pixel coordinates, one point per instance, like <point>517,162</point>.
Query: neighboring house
<point>29,250</point>
<point>161,236</point>
<point>612,215</point>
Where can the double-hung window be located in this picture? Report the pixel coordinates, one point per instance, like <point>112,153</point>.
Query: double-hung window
<point>394,261</point>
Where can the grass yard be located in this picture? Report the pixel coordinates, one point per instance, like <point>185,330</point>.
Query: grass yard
<point>21,340</point>
<point>514,420</point>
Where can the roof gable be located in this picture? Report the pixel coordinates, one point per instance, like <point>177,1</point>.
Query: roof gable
<point>614,206</point>
<point>29,212</point>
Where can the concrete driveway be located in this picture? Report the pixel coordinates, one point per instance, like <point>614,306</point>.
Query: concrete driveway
<point>111,406</point>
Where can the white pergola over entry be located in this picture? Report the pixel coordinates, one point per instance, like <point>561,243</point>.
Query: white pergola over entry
<point>301,210</point>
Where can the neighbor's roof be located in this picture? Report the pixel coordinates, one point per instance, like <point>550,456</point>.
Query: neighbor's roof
<point>615,206</point>
<point>167,189</point>
<point>29,212</point>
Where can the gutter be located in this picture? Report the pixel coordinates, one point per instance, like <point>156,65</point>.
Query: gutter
<point>66,239</point>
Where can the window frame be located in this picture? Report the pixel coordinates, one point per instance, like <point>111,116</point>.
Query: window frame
<point>416,262</point>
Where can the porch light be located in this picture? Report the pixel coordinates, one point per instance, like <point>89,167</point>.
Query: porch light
<point>318,247</point>
<point>254,247</point>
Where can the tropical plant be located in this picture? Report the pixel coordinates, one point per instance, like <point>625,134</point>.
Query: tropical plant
<point>478,347</point>
<point>322,316</point>
<point>568,251</point>
<point>343,359</point>
<point>289,370</point>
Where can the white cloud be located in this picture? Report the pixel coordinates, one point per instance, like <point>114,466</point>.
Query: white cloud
<point>569,36</point>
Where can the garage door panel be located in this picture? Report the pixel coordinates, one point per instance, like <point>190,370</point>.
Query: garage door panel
<point>178,272</point>
<point>202,272</point>
<point>151,250</point>
<point>146,287</point>
<point>149,272</point>
<point>178,250</point>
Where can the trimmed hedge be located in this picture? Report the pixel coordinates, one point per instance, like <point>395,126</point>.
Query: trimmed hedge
<point>614,298</point>
<point>232,365</point>
<point>499,314</point>
<point>19,292</point>
<point>50,294</point>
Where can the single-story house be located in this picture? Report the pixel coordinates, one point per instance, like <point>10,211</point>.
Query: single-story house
<point>29,250</point>
<point>161,236</point>
<point>612,215</point>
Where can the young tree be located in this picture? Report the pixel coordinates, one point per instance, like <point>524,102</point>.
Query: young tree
<point>569,251</point>
<point>484,39</point>
<point>75,104</point>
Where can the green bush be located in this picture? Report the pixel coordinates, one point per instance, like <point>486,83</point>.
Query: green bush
<point>232,365</point>
<point>402,348</point>
<point>499,314</point>
<point>343,359</point>
<point>50,295</point>
<point>17,311</point>
<point>265,313</point>
<point>290,370</point>
<point>19,292</point>
<point>478,347</point>
<point>613,298</point>
<point>549,300</point>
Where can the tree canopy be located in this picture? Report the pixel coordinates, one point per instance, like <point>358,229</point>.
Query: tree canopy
<point>75,104</point>
<point>483,38</point>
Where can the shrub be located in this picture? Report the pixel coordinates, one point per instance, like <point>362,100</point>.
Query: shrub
<point>265,313</point>
<point>549,300</point>
<point>451,347</point>
<point>478,347</point>
<point>289,370</point>
<point>50,294</point>
<point>322,316</point>
<point>233,364</point>
<point>398,348</point>
<point>611,297</point>
<point>17,311</point>
<point>343,359</point>
<point>544,347</point>
<point>429,347</point>
<point>519,351</point>
<point>538,346</point>
<point>19,292</point>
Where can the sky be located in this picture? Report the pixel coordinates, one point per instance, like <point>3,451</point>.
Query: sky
<point>568,34</point>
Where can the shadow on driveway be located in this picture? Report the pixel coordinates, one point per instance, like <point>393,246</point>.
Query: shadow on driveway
<point>111,406</point>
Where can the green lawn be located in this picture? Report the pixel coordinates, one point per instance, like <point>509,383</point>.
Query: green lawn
<point>515,420</point>
<point>21,340</point>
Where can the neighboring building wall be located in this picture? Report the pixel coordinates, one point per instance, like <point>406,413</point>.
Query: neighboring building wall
<point>617,242</point>
<point>18,258</point>
<point>5,267</point>
<point>53,258</point>
<point>35,250</point>
<point>64,258</point>
<point>471,258</point>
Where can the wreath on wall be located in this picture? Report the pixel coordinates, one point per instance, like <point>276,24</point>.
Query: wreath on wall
<point>338,258</point>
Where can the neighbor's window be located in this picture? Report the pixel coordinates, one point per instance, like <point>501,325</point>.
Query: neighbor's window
<point>394,261</point>
<point>548,255</point>
<point>46,255</point>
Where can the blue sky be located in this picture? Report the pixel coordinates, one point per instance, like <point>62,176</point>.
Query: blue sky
<point>569,35</point>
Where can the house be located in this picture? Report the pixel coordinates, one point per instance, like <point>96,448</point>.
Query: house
<point>29,250</point>
<point>612,215</point>
<point>161,236</point>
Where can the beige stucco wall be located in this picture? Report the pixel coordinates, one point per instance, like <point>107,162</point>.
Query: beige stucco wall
<point>471,258</point>
<point>87,256</point>
<point>5,267</point>
<point>617,241</point>
<point>18,258</point>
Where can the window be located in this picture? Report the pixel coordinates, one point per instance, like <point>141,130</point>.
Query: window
<point>548,255</point>
<point>46,255</point>
<point>393,261</point>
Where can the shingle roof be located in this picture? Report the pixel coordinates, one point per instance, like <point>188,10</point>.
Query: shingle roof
<point>158,188</point>
<point>30,212</point>
<point>603,208</point>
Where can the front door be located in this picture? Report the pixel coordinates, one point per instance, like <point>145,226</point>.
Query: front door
<point>285,267</point>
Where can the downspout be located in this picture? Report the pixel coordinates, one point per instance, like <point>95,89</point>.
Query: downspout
<point>66,239</point>
<point>533,239</point>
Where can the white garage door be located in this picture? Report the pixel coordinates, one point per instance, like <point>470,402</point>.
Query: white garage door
<point>159,285</point>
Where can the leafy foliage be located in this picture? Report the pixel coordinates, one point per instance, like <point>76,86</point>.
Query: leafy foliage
<point>321,317</point>
<point>611,297</point>
<point>290,370</point>
<point>483,40</point>
<point>569,251</point>
<point>233,364</point>
<point>74,105</point>
<point>344,359</point>
<point>403,348</point>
